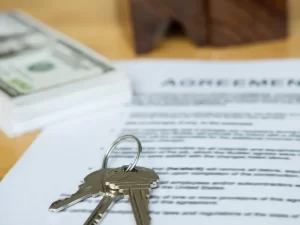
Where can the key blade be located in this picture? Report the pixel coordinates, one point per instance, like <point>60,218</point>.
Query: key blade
<point>139,202</point>
<point>102,209</point>
<point>62,204</point>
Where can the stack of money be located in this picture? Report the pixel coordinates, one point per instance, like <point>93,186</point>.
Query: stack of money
<point>47,77</point>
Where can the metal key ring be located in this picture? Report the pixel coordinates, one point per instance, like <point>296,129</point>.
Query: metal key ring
<point>115,144</point>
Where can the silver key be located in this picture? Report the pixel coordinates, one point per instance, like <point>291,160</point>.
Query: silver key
<point>103,207</point>
<point>136,185</point>
<point>110,197</point>
<point>91,187</point>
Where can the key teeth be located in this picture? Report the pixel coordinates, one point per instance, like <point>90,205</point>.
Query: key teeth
<point>53,207</point>
<point>53,210</point>
<point>96,220</point>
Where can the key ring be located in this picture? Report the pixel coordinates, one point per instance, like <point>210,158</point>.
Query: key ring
<point>115,144</point>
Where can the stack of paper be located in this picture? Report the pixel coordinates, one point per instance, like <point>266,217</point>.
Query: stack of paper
<point>46,77</point>
<point>223,137</point>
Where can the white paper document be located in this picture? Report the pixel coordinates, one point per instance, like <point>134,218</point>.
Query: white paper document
<point>223,137</point>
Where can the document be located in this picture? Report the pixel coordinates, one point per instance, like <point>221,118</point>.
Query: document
<point>222,136</point>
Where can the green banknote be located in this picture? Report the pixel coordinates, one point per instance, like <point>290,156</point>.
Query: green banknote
<point>34,58</point>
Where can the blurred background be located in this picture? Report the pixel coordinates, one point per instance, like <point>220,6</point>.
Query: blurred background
<point>105,25</point>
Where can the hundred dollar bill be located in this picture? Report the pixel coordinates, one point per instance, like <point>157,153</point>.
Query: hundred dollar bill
<point>35,58</point>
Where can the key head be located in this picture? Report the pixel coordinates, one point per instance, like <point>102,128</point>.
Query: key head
<point>138,178</point>
<point>95,182</point>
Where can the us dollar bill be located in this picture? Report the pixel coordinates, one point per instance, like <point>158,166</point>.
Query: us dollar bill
<point>34,57</point>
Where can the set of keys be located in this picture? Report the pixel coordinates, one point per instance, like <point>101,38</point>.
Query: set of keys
<point>131,181</point>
